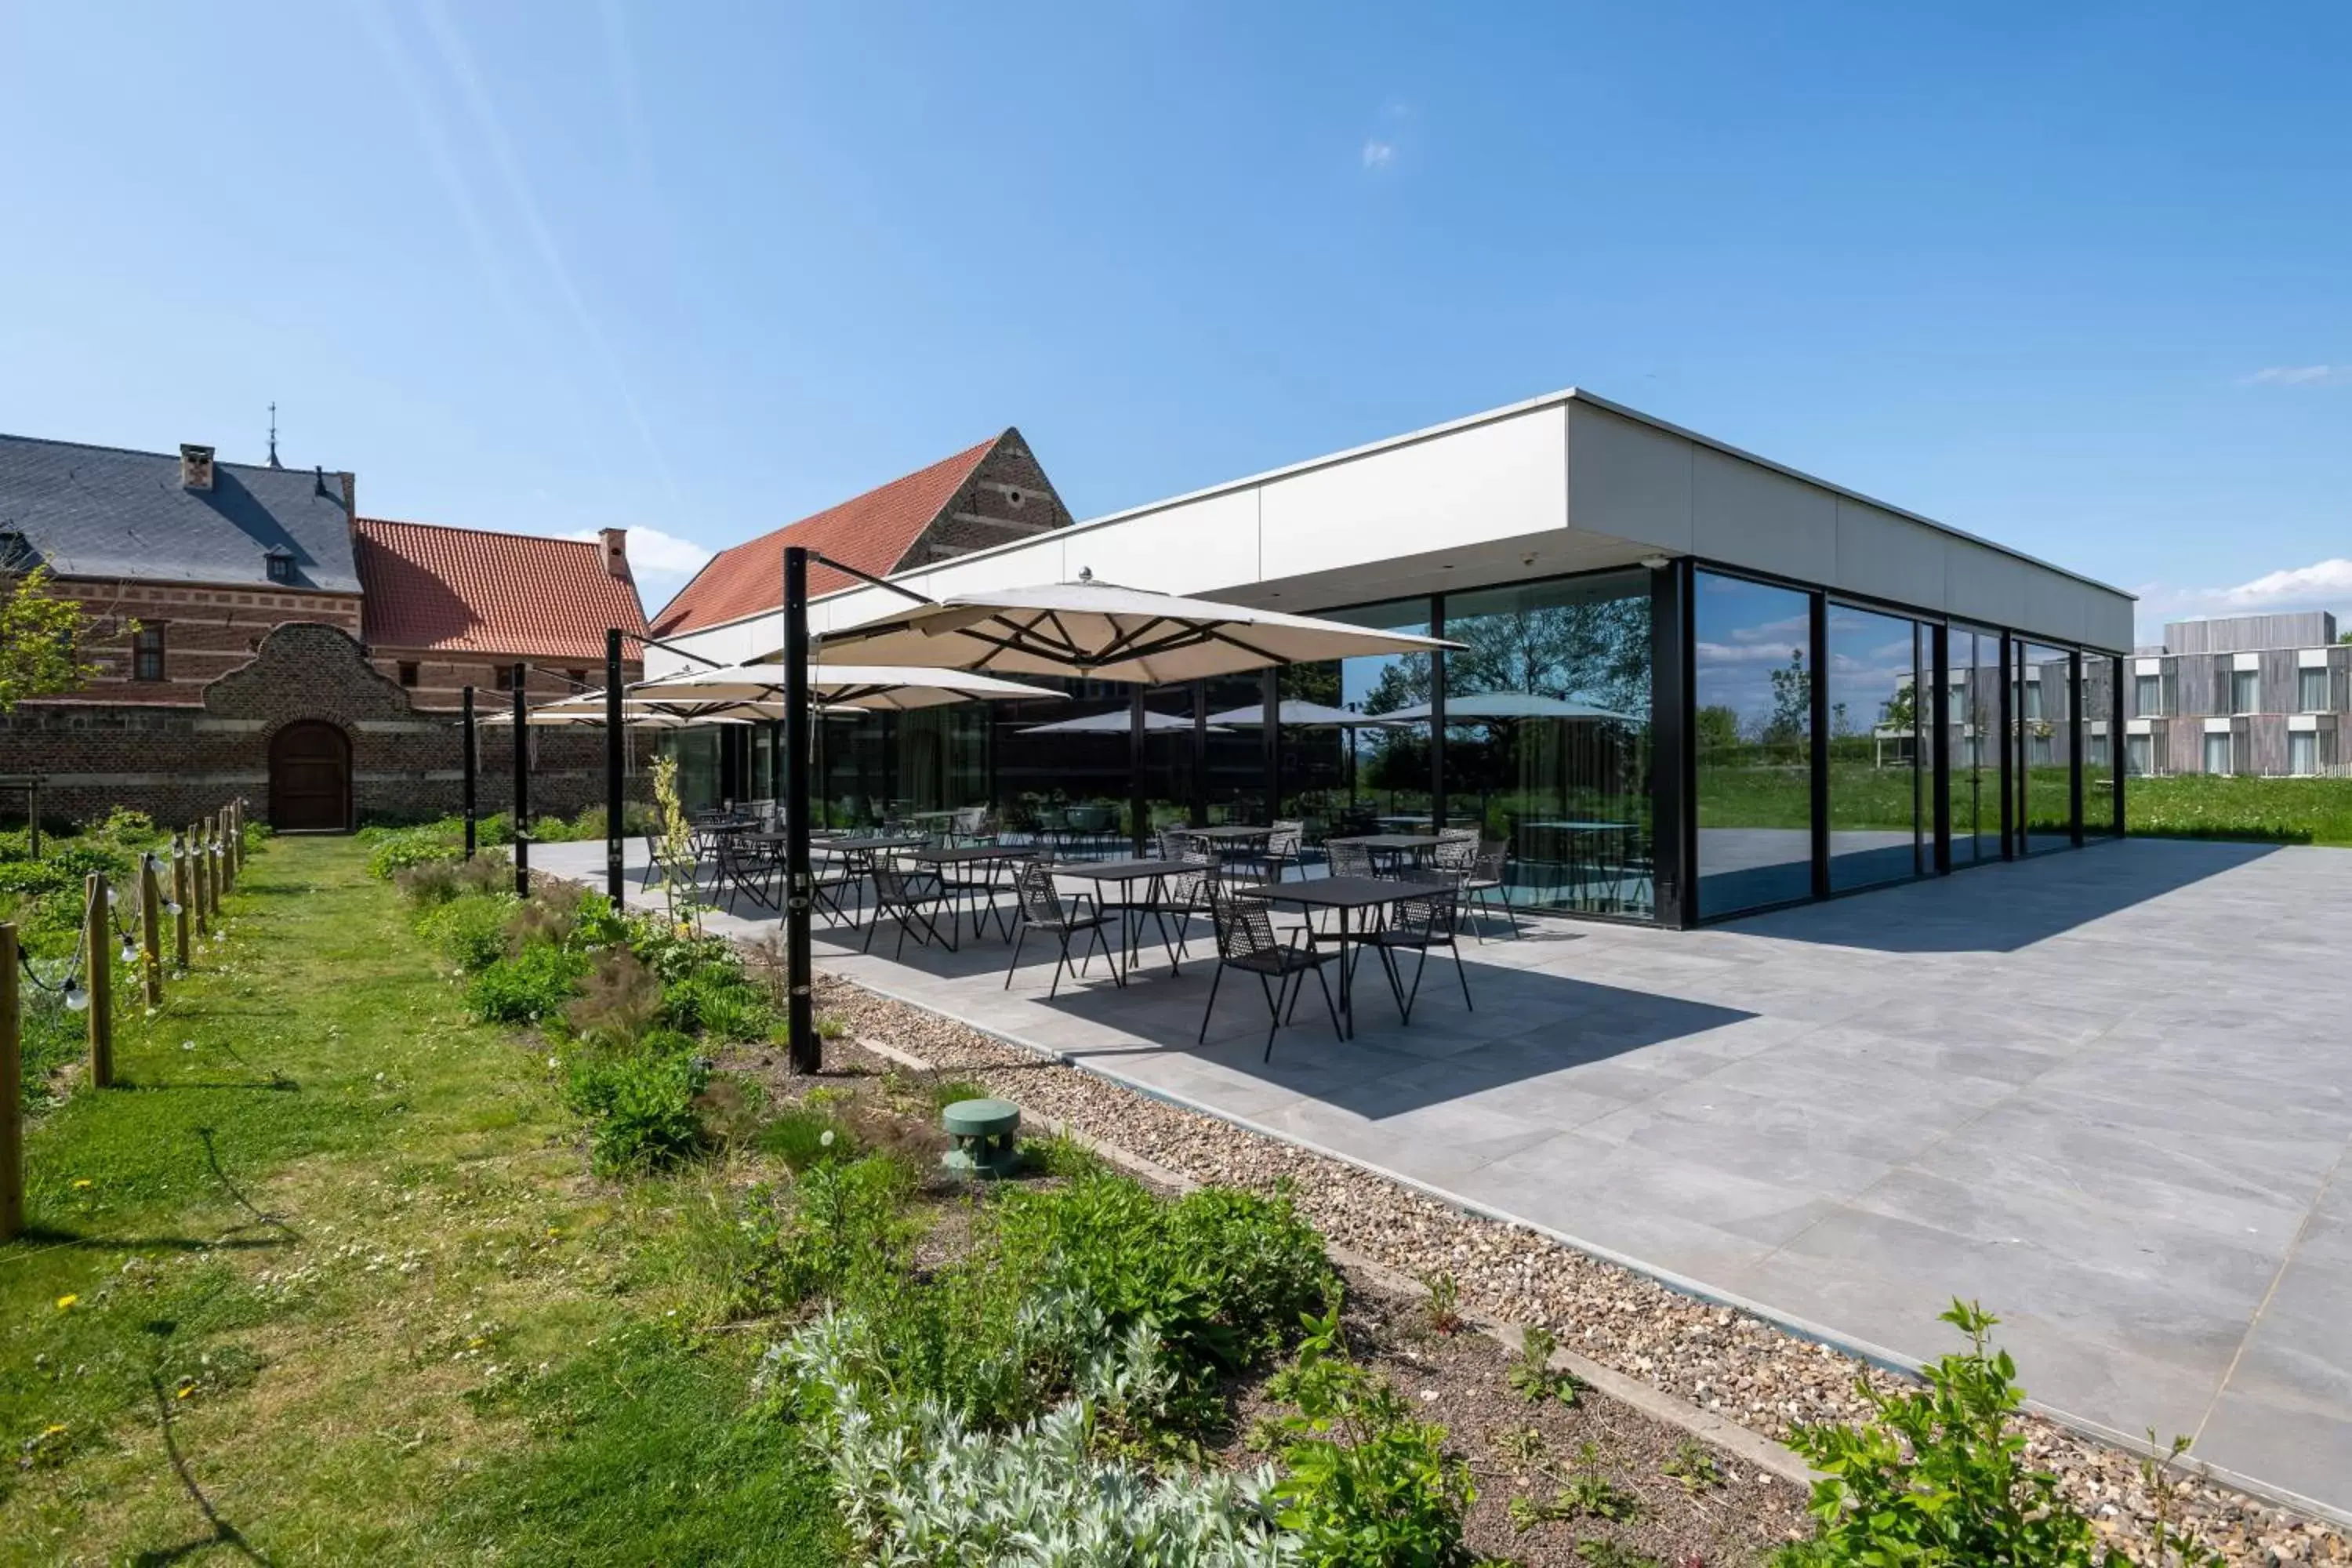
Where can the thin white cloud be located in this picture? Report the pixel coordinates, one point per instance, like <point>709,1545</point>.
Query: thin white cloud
<point>653,551</point>
<point>1378,155</point>
<point>2329,579</point>
<point>2297,375</point>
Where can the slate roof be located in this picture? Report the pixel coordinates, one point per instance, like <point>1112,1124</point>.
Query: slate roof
<point>104,511</point>
<point>872,533</point>
<point>465,589</point>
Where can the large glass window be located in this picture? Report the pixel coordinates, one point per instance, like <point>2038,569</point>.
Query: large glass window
<point>1877,746</point>
<point>2246,691</point>
<point>1548,713</point>
<point>2044,754</point>
<point>2311,690</point>
<point>1388,773</point>
<point>2099,724</point>
<point>2139,754</point>
<point>2217,751</point>
<point>1070,787</point>
<point>1972,730</point>
<point>2303,751</point>
<point>2147,696</point>
<point>1753,740</point>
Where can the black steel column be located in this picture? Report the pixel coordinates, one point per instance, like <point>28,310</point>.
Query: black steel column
<point>2074,742</point>
<point>521,786</point>
<point>2008,719</point>
<point>1817,662</point>
<point>807,1050</point>
<point>2119,743</point>
<point>1937,709</point>
<point>1270,685</point>
<point>1437,801</point>
<point>1673,870</point>
<point>1140,809</point>
<point>469,726</point>
<point>1199,814</point>
<point>614,802</point>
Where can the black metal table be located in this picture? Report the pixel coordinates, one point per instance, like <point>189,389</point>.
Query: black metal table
<point>1392,847</point>
<point>1126,873</point>
<point>856,851</point>
<point>1239,841</point>
<point>1345,895</point>
<point>991,856</point>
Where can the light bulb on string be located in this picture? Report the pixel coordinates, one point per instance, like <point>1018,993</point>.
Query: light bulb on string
<point>75,999</point>
<point>172,907</point>
<point>112,898</point>
<point>130,952</point>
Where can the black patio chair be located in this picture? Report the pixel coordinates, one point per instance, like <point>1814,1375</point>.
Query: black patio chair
<point>1485,885</point>
<point>1245,940</point>
<point>1417,925</point>
<point>686,869</point>
<point>1283,846</point>
<point>1039,907</point>
<point>913,898</point>
<point>747,867</point>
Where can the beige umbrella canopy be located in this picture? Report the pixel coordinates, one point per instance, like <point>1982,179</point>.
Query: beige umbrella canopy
<point>1097,629</point>
<point>832,686</point>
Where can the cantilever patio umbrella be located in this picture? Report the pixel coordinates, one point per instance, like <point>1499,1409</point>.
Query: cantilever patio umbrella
<point>1116,723</point>
<point>1084,629</point>
<point>878,687</point>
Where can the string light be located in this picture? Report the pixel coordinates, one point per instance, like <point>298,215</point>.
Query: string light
<point>76,997</point>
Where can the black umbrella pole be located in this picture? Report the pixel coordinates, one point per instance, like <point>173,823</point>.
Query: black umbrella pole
<point>521,786</point>
<point>807,1050</point>
<point>613,738</point>
<point>469,774</point>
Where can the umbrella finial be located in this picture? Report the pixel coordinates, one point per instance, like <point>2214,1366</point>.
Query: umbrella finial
<point>1085,573</point>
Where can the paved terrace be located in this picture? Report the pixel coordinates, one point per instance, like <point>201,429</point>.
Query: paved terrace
<point>2104,1092</point>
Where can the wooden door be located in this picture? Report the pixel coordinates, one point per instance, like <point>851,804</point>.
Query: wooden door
<point>311,779</point>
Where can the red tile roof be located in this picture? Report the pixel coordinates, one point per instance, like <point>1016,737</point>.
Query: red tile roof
<point>872,533</point>
<point>430,587</point>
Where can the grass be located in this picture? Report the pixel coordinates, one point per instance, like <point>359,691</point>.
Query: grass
<point>2206,805</point>
<point>334,1247</point>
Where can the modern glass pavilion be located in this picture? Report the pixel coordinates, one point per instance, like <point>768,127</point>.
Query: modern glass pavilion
<point>1693,684</point>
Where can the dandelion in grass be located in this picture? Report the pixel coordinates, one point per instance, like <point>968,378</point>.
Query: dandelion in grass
<point>80,1183</point>
<point>66,1301</point>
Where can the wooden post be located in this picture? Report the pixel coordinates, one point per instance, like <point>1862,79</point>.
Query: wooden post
<point>197,879</point>
<point>180,895</point>
<point>11,1094</point>
<point>98,961</point>
<point>151,928</point>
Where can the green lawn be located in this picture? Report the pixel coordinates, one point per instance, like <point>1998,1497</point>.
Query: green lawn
<point>332,1249</point>
<point>2204,805</point>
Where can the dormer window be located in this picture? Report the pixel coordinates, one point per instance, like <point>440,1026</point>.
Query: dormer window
<point>281,565</point>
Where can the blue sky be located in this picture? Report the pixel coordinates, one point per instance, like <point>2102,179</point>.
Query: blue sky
<point>2073,277</point>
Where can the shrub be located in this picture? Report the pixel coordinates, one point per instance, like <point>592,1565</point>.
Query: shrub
<point>846,1228</point>
<point>719,1002</point>
<point>471,931</point>
<point>1223,1274</point>
<point>534,984</point>
<point>1938,1474</point>
<point>1366,1482</point>
<point>428,884</point>
<point>548,916</point>
<point>640,1109</point>
<point>404,847</point>
<point>802,1139</point>
<point>618,1001</point>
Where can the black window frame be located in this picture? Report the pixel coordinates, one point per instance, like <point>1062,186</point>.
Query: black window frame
<point>148,643</point>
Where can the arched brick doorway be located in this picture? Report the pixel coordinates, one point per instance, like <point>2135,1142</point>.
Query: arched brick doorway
<point>309,778</point>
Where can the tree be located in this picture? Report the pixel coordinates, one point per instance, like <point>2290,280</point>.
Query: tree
<point>42,634</point>
<point>1718,730</point>
<point>1793,703</point>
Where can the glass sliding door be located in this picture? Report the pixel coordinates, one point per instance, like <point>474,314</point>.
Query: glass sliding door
<point>1388,766</point>
<point>1753,741</point>
<point>1878,745</point>
<point>2041,714</point>
<point>1972,677</point>
<point>2101,726</point>
<point>1547,709</point>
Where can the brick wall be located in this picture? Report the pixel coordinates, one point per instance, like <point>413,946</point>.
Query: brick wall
<point>983,512</point>
<point>207,631</point>
<point>176,760</point>
<point>442,677</point>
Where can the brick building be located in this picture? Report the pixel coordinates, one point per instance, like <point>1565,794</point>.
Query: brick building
<point>285,649</point>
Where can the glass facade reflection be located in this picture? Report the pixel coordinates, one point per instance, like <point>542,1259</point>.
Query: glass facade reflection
<point>1547,709</point>
<point>1881,824</point>
<point>1664,743</point>
<point>1753,739</point>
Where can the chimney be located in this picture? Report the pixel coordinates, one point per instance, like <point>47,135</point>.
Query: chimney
<point>615,543</point>
<point>195,467</point>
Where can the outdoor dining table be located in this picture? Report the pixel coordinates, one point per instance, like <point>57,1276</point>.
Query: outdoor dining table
<point>1234,840</point>
<point>1390,847</point>
<point>990,856</point>
<point>1126,874</point>
<point>1345,896</point>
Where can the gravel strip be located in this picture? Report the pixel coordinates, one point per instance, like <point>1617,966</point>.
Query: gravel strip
<point>1720,1360</point>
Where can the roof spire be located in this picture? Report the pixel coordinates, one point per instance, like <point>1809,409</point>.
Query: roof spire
<point>273,438</point>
